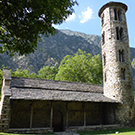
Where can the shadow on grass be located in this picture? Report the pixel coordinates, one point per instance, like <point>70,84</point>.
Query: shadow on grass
<point>127,131</point>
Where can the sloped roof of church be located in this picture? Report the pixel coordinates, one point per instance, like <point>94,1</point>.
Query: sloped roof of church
<point>40,89</point>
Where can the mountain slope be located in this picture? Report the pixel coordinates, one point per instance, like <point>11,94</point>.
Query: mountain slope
<point>50,51</point>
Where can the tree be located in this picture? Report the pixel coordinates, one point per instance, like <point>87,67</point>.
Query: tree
<point>48,73</point>
<point>22,22</point>
<point>21,73</point>
<point>81,67</point>
<point>33,75</point>
<point>1,73</point>
<point>133,63</point>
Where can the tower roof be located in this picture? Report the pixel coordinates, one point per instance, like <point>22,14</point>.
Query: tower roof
<point>112,4</point>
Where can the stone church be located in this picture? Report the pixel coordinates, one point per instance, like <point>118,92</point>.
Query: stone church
<point>40,106</point>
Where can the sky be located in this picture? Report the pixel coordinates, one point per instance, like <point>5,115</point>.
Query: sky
<point>85,18</point>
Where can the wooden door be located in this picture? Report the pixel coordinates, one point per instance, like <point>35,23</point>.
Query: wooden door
<point>57,121</point>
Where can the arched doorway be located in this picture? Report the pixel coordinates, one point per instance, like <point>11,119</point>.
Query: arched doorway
<point>57,121</point>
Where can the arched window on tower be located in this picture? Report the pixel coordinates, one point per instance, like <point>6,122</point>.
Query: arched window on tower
<point>121,56</point>
<point>119,33</point>
<point>103,38</point>
<point>102,20</point>
<point>117,14</point>
<point>123,73</point>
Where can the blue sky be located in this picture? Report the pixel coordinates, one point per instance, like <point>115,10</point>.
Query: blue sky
<point>85,18</point>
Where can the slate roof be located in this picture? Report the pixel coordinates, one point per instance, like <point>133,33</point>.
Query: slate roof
<point>39,89</point>
<point>54,85</point>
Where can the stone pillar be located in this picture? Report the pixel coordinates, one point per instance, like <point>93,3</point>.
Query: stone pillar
<point>84,114</point>
<point>114,113</point>
<point>31,115</point>
<point>101,113</point>
<point>51,118</point>
<point>67,114</point>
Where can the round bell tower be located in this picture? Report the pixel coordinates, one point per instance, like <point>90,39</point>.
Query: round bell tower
<point>117,75</point>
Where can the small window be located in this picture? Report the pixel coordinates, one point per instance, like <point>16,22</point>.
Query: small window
<point>129,114</point>
<point>121,34</point>
<point>123,73</point>
<point>105,77</point>
<point>117,33</point>
<point>121,56</point>
<point>115,14</point>
<point>104,60</point>
<point>119,15</point>
<point>102,20</point>
<point>103,38</point>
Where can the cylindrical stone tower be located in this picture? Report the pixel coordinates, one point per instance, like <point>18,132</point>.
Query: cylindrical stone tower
<point>117,73</point>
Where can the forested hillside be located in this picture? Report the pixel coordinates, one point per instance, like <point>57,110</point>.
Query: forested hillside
<point>50,51</point>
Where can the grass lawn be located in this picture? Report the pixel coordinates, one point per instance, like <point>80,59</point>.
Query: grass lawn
<point>126,131</point>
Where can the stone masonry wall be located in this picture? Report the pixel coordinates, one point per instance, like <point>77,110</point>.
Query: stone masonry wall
<point>5,102</point>
<point>115,85</point>
<point>93,128</point>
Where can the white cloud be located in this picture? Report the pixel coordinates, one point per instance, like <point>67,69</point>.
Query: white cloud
<point>71,17</point>
<point>55,26</point>
<point>86,15</point>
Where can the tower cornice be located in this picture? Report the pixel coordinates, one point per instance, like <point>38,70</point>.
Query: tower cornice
<point>112,4</point>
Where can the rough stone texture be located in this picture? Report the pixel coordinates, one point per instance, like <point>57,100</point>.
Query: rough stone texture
<point>69,130</point>
<point>92,128</point>
<point>116,87</point>
<point>30,131</point>
<point>5,101</point>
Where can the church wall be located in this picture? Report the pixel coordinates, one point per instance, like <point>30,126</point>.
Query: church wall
<point>20,114</point>
<point>37,114</point>
<point>41,114</point>
<point>92,113</point>
<point>5,101</point>
<point>76,117</point>
<point>109,113</point>
<point>59,107</point>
